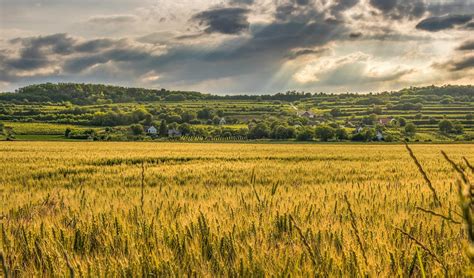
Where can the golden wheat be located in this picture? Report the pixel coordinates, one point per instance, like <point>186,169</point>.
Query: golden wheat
<point>170,209</point>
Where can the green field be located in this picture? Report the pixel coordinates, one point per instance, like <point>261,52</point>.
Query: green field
<point>21,128</point>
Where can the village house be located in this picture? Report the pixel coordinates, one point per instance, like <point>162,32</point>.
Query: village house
<point>174,133</point>
<point>307,114</point>
<point>379,135</point>
<point>152,130</point>
<point>386,121</point>
<point>222,121</point>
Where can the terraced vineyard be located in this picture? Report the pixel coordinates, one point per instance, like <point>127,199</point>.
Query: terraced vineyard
<point>173,209</point>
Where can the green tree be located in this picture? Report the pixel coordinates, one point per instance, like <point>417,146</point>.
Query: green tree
<point>67,132</point>
<point>216,120</point>
<point>402,121</point>
<point>305,134</point>
<point>174,118</point>
<point>163,131</point>
<point>433,120</point>
<point>377,110</point>
<point>185,129</point>
<point>148,120</point>
<point>458,128</point>
<point>336,112</point>
<point>205,114</point>
<point>175,97</point>
<point>324,132</point>
<point>220,113</point>
<point>369,120</point>
<point>446,126</point>
<point>139,115</point>
<point>188,116</point>
<point>137,129</point>
<point>367,134</point>
<point>258,131</point>
<point>282,132</point>
<point>341,134</point>
<point>410,129</point>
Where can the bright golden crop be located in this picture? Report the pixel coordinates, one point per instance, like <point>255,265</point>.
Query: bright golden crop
<point>227,209</point>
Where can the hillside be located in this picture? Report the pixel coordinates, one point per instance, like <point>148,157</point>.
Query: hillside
<point>105,112</point>
<point>89,94</point>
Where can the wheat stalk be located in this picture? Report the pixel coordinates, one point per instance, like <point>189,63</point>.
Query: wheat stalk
<point>425,176</point>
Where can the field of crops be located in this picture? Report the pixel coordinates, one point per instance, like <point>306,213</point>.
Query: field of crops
<point>161,209</point>
<point>42,128</point>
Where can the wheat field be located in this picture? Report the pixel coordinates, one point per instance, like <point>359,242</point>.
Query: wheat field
<point>176,209</point>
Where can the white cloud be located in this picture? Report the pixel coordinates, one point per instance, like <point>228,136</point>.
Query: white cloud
<point>155,42</point>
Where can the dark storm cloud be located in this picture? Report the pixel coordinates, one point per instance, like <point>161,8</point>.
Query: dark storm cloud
<point>468,45</point>
<point>305,52</point>
<point>264,57</point>
<point>94,45</point>
<point>384,5</point>
<point>355,35</point>
<point>68,55</point>
<point>398,9</point>
<point>289,35</point>
<point>438,23</point>
<point>342,5</point>
<point>241,2</point>
<point>223,20</point>
<point>35,51</point>
<point>302,2</point>
<point>59,43</point>
<point>451,7</point>
<point>295,31</point>
<point>463,63</point>
<point>135,56</point>
<point>295,10</point>
<point>302,30</point>
<point>256,57</point>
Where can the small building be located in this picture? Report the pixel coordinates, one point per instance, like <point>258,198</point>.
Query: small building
<point>174,133</point>
<point>222,121</point>
<point>379,135</point>
<point>307,114</point>
<point>152,130</point>
<point>385,121</point>
<point>359,129</point>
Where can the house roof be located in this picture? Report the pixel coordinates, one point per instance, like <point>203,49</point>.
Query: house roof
<point>306,113</point>
<point>385,120</point>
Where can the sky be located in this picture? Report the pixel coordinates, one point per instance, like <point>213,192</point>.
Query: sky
<point>238,46</point>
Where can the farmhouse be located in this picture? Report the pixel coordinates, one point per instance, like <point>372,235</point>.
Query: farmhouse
<point>307,114</point>
<point>386,121</point>
<point>379,135</point>
<point>152,130</point>
<point>174,133</point>
<point>222,121</point>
